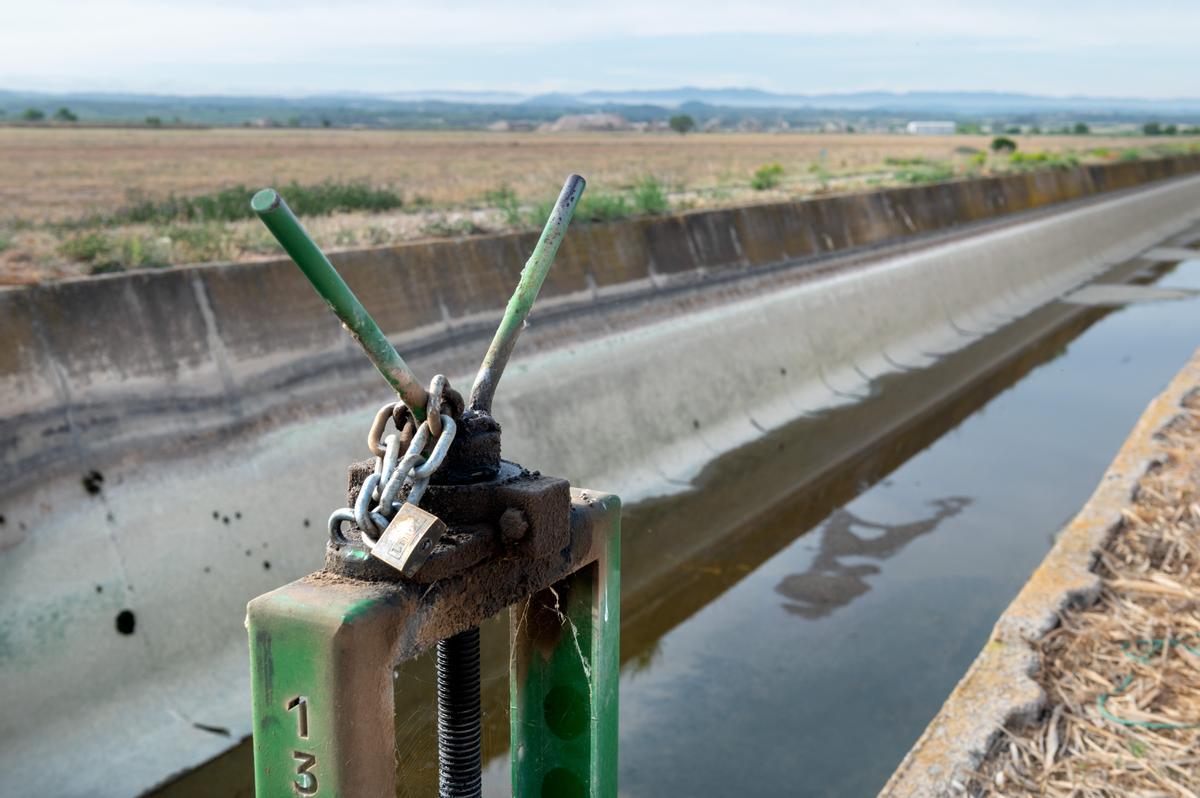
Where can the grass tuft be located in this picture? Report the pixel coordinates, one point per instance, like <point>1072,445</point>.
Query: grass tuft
<point>233,203</point>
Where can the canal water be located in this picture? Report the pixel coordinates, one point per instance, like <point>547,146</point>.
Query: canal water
<point>793,622</point>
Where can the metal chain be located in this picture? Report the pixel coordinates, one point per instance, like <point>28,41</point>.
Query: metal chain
<point>392,471</point>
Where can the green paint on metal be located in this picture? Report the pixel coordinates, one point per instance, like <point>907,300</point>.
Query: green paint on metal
<point>528,286</point>
<point>293,704</point>
<point>564,681</point>
<point>291,235</point>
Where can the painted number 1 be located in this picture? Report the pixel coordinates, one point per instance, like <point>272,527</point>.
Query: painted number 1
<point>306,780</point>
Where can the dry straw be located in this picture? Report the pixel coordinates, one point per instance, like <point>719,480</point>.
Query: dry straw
<point>1122,676</point>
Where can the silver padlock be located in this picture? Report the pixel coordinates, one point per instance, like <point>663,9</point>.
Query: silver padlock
<point>409,539</point>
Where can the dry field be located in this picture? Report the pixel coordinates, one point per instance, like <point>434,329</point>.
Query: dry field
<point>51,176</point>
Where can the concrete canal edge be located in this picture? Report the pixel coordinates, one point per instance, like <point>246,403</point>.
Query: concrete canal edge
<point>999,688</point>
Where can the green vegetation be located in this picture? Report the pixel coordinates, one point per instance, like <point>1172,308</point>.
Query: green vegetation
<point>682,123</point>
<point>33,115</point>
<point>1130,154</point>
<point>766,176</point>
<point>1157,129</point>
<point>933,172</point>
<point>154,121</point>
<point>595,208</point>
<point>108,253</point>
<point>505,199</point>
<point>1002,144</point>
<point>1035,160</point>
<point>917,161</point>
<point>1081,129</point>
<point>443,228</point>
<point>233,203</point>
<point>64,114</point>
<point>650,197</point>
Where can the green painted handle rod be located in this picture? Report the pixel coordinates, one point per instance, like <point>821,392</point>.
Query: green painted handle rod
<point>291,235</point>
<point>532,277</point>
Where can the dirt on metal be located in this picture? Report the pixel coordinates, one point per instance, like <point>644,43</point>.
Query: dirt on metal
<point>1122,674</point>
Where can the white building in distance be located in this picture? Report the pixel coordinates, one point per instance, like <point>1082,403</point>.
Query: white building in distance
<point>931,128</point>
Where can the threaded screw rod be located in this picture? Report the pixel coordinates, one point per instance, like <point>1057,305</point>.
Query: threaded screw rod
<point>460,727</point>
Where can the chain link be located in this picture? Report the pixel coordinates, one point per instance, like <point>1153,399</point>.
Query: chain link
<point>392,471</point>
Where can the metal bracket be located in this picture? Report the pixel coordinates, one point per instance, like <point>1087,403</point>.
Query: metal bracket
<point>323,650</point>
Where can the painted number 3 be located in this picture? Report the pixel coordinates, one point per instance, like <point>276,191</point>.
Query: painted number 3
<point>306,781</point>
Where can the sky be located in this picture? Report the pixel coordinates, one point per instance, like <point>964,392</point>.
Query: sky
<point>1150,48</point>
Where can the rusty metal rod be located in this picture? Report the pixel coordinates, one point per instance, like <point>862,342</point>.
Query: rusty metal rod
<point>291,235</point>
<point>532,277</point>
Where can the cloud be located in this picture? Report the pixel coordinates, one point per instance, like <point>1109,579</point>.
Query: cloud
<point>131,43</point>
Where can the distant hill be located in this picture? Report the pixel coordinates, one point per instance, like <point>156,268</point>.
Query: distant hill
<point>725,107</point>
<point>951,102</point>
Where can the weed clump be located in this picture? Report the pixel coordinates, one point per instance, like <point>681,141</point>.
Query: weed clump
<point>1039,159</point>
<point>766,177</point>
<point>110,253</point>
<point>932,172</point>
<point>650,197</point>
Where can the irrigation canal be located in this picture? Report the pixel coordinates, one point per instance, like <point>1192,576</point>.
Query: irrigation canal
<point>806,644</point>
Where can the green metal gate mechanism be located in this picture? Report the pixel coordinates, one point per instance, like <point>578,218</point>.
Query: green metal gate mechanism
<point>440,534</point>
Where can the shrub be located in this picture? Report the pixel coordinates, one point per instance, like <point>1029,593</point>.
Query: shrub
<point>766,176</point>
<point>1152,129</point>
<point>154,121</point>
<point>1130,155</point>
<point>505,199</point>
<point>33,115</point>
<point>1081,129</point>
<point>65,115</point>
<point>1003,144</point>
<point>682,123</point>
<point>650,197</point>
<point>892,161</point>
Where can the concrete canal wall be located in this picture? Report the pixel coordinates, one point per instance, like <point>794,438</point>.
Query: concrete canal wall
<point>174,440</point>
<point>118,365</point>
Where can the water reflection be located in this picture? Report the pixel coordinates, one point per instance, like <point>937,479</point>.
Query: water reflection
<point>829,582</point>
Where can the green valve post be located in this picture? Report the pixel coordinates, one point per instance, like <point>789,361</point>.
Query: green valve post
<point>532,277</point>
<point>291,235</point>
